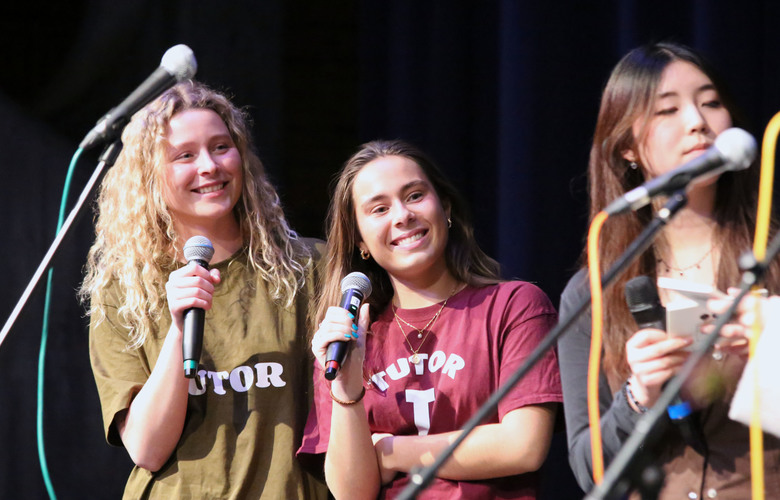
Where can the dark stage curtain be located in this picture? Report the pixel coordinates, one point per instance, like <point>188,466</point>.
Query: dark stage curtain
<point>503,94</point>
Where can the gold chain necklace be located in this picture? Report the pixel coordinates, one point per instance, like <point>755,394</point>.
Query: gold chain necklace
<point>427,328</point>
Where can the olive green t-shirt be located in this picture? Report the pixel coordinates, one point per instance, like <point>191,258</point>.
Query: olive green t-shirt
<point>247,407</point>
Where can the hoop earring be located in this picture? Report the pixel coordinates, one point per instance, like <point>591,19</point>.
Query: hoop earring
<point>449,222</point>
<point>364,254</point>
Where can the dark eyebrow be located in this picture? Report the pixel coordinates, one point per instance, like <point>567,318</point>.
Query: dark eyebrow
<point>413,183</point>
<point>405,187</point>
<point>706,86</point>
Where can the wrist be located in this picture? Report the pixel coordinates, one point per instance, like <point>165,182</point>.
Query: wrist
<point>633,402</point>
<point>346,397</point>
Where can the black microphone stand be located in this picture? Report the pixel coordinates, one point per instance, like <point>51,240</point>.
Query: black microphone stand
<point>106,159</point>
<point>753,272</point>
<point>419,479</point>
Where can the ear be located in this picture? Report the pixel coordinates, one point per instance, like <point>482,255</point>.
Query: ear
<point>362,247</point>
<point>447,209</point>
<point>629,155</point>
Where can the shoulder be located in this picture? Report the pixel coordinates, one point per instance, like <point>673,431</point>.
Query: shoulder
<point>315,246</point>
<point>522,290</point>
<point>577,285</point>
<point>105,321</point>
<point>519,296</point>
<point>311,247</point>
<point>109,296</point>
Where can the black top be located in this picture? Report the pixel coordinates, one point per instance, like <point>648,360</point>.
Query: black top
<point>617,417</point>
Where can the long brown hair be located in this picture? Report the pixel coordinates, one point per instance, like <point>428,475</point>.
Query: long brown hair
<point>465,260</point>
<point>628,96</point>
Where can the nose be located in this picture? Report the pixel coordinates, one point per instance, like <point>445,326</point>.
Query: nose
<point>206,163</point>
<point>694,119</point>
<point>401,213</point>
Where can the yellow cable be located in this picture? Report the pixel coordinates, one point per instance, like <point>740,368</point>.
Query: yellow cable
<point>765,187</point>
<point>759,251</point>
<point>594,362</point>
<point>756,435</point>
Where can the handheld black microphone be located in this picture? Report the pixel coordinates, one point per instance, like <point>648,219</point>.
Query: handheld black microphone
<point>198,249</point>
<point>355,288</point>
<point>178,63</point>
<point>644,304</point>
<point>734,149</point>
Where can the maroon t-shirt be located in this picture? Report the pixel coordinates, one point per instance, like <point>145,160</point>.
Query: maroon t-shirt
<point>480,339</point>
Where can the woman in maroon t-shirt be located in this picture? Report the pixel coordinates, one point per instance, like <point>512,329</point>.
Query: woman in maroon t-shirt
<point>445,332</point>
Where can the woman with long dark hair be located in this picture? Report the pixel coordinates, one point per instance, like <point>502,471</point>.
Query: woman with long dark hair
<point>662,107</point>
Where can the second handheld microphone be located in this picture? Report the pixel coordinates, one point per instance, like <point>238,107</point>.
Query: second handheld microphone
<point>645,306</point>
<point>355,288</point>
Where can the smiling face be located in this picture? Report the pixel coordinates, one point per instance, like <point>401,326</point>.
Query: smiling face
<point>202,171</point>
<point>401,220</point>
<point>687,116</point>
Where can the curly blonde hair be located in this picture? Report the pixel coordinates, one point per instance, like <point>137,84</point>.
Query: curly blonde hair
<point>136,244</point>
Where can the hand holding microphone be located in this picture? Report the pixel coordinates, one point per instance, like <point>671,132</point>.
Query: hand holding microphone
<point>652,355</point>
<point>645,305</point>
<point>331,352</point>
<point>189,292</point>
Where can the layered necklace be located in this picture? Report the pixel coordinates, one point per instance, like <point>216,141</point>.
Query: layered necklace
<point>422,333</point>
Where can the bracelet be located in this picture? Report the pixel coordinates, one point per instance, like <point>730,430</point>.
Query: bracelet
<point>348,403</point>
<point>630,397</point>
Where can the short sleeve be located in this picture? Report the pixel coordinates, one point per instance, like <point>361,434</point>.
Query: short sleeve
<point>317,430</point>
<point>120,371</point>
<point>527,318</point>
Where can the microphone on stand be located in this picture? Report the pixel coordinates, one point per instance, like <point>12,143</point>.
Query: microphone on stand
<point>177,64</point>
<point>734,149</point>
<point>198,249</point>
<point>355,288</point>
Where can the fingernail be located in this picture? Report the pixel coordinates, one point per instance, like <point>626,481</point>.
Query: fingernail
<point>355,334</point>
<point>346,335</point>
<point>351,316</point>
<point>354,326</point>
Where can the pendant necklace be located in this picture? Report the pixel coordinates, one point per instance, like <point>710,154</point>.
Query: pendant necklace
<point>682,270</point>
<point>422,333</point>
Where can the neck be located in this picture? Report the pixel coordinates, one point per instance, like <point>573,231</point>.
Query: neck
<point>687,248</point>
<point>411,294</point>
<point>695,222</point>
<point>226,238</point>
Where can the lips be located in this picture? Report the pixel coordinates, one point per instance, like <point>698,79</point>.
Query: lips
<point>409,238</point>
<point>210,189</point>
<point>699,147</point>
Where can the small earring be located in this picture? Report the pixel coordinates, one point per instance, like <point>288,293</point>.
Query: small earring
<point>633,165</point>
<point>449,222</point>
<point>364,254</point>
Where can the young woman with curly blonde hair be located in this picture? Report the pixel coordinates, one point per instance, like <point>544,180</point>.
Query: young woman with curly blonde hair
<point>188,168</point>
